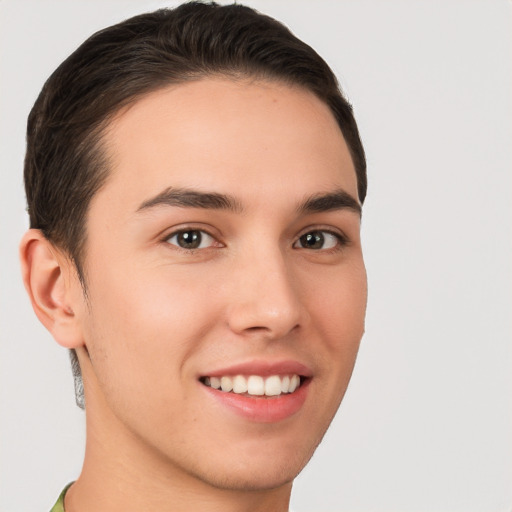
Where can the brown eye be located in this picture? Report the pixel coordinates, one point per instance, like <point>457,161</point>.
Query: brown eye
<point>317,240</point>
<point>191,239</point>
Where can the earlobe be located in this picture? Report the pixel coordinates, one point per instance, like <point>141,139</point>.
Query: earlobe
<point>46,275</point>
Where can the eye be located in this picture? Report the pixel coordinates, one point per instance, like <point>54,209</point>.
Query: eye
<point>319,240</point>
<point>191,239</point>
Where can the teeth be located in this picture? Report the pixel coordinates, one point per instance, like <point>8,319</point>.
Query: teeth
<point>226,383</point>
<point>294,383</point>
<point>273,386</point>
<point>255,385</point>
<point>239,384</point>
<point>285,384</point>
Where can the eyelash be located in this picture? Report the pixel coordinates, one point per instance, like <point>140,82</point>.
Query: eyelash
<point>340,240</point>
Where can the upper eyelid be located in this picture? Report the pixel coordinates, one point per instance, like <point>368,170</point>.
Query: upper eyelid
<point>324,229</point>
<point>170,232</point>
<point>340,236</point>
<point>177,232</point>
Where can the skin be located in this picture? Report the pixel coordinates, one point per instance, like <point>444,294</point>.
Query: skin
<point>158,316</point>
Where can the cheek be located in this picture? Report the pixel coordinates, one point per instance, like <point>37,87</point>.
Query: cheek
<point>339,317</point>
<point>340,307</point>
<point>142,329</point>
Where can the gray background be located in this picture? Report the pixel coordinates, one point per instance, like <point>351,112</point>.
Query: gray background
<point>427,421</point>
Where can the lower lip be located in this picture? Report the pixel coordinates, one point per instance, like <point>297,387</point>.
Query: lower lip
<point>262,409</point>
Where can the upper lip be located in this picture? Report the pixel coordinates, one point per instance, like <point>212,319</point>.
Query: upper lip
<point>263,368</point>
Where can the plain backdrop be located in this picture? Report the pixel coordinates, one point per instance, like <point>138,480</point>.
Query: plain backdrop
<point>426,424</point>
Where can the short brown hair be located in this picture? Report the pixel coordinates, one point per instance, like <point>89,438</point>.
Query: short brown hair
<point>64,165</point>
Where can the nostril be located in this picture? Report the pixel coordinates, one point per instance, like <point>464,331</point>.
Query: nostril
<point>271,332</point>
<point>257,328</point>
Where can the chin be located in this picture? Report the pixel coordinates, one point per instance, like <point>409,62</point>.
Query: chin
<point>271,477</point>
<point>261,471</point>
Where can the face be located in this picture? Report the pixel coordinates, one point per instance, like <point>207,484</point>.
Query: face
<point>224,250</point>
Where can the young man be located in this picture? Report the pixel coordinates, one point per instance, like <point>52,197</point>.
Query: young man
<point>195,180</point>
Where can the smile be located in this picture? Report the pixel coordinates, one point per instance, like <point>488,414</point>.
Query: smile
<point>259,391</point>
<point>255,385</point>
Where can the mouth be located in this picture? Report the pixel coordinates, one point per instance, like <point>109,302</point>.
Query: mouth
<point>255,385</point>
<point>261,392</point>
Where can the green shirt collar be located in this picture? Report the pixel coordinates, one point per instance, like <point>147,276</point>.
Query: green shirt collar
<point>59,506</point>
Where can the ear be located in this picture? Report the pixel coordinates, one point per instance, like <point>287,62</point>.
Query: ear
<point>51,282</point>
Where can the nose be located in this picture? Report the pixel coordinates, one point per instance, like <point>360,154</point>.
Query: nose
<point>265,300</point>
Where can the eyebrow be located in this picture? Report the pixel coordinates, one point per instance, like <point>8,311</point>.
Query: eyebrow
<point>336,200</point>
<point>189,198</point>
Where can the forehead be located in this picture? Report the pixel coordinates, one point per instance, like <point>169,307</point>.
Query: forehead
<point>217,133</point>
